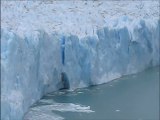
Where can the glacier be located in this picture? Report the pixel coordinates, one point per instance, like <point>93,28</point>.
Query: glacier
<point>38,62</point>
<point>32,67</point>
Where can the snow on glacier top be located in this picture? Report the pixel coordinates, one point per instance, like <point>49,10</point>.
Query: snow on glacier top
<point>81,18</point>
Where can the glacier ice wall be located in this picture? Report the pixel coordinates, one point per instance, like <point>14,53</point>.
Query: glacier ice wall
<point>32,66</point>
<point>118,50</point>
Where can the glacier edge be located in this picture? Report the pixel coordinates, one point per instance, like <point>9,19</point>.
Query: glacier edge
<point>32,66</point>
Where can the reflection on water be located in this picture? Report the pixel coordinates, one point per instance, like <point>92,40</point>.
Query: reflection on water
<point>128,98</point>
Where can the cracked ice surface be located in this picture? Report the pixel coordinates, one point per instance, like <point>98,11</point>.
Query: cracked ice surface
<point>71,17</point>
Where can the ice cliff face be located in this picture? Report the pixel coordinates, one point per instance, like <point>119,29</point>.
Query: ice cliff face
<point>32,67</point>
<point>116,52</point>
<point>35,62</point>
<point>26,74</point>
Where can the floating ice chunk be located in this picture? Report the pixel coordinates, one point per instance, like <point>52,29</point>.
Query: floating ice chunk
<point>41,115</point>
<point>117,110</point>
<point>64,107</point>
<point>45,112</point>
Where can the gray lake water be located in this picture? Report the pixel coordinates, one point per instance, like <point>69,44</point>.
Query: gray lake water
<point>132,97</point>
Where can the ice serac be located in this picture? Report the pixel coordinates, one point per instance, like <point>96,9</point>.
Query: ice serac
<point>41,62</point>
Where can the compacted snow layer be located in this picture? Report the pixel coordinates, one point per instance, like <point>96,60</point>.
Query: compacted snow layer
<point>36,59</point>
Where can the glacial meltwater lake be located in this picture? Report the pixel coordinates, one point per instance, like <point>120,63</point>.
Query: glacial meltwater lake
<point>132,97</point>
